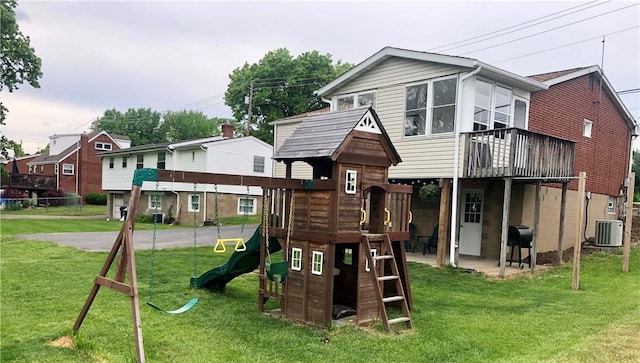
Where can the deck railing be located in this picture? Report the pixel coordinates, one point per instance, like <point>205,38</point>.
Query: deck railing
<point>515,152</point>
<point>29,181</point>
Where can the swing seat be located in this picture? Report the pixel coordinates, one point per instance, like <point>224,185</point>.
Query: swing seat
<point>191,303</point>
<point>278,271</point>
<point>221,247</point>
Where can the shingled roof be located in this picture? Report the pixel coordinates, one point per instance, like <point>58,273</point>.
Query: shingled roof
<point>320,136</point>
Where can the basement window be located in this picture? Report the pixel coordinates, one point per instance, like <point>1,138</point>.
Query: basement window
<point>316,262</point>
<point>611,205</point>
<point>296,259</point>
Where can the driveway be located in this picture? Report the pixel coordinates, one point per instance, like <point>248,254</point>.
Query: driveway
<point>142,240</point>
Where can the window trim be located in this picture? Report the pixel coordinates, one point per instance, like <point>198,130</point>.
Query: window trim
<point>492,111</point>
<point>611,205</point>
<point>314,270</point>
<point>139,163</point>
<point>161,164</point>
<point>158,200</point>
<point>374,253</point>
<point>103,146</point>
<point>587,131</point>
<point>254,202</point>
<point>125,162</point>
<point>190,204</point>
<point>68,172</point>
<point>112,162</point>
<point>255,163</point>
<point>296,261</point>
<point>351,186</point>
<point>429,106</point>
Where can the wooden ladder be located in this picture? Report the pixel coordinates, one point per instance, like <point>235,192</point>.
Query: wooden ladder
<point>386,253</point>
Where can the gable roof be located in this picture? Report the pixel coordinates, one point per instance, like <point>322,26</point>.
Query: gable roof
<point>553,78</point>
<point>320,136</point>
<point>45,158</point>
<point>462,62</point>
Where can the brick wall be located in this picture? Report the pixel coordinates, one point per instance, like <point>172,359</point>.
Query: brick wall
<point>560,111</point>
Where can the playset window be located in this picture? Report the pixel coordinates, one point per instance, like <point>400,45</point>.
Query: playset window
<point>348,256</point>
<point>316,263</point>
<point>296,259</point>
<point>351,182</point>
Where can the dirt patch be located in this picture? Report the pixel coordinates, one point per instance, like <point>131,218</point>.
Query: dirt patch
<point>64,342</point>
<point>588,247</point>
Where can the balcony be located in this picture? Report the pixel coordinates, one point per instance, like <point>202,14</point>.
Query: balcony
<point>517,153</point>
<point>29,181</point>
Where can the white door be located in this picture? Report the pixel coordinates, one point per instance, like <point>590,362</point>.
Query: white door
<point>118,201</point>
<point>471,222</point>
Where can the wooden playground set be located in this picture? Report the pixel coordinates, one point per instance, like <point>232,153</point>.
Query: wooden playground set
<point>341,233</point>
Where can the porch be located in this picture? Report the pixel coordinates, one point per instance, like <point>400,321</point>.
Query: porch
<point>488,267</point>
<point>28,182</point>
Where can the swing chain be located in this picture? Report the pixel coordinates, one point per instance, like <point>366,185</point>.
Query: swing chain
<point>195,234</point>
<point>217,217</point>
<point>246,212</point>
<point>266,221</point>
<point>291,216</point>
<point>154,239</point>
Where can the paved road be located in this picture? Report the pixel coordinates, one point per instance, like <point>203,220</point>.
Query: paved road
<point>102,241</point>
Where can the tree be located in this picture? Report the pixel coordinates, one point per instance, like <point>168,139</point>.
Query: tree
<point>141,125</point>
<point>185,125</point>
<point>282,86</point>
<point>43,150</point>
<point>635,167</point>
<point>17,58</point>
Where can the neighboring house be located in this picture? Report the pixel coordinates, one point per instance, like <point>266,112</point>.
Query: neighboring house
<point>183,202</point>
<point>71,164</point>
<point>472,128</point>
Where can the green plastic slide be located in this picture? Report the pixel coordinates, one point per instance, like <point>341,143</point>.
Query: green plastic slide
<point>239,263</point>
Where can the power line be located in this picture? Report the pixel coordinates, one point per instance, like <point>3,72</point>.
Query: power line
<point>548,30</point>
<point>628,91</point>
<point>519,26</point>
<point>565,45</point>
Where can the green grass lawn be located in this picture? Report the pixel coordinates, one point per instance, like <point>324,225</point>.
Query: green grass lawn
<point>83,210</point>
<point>458,316</point>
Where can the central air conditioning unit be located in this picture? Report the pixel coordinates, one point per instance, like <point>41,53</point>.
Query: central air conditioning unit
<point>609,233</point>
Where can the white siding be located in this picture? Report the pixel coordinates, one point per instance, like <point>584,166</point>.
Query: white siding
<point>117,178</point>
<point>189,159</point>
<point>58,143</point>
<point>396,71</point>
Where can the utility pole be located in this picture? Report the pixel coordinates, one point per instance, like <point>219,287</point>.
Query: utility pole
<point>249,114</point>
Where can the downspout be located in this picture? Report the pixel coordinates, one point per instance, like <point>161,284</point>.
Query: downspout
<point>204,204</point>
<point>77,165</point>
<point>456,172</point>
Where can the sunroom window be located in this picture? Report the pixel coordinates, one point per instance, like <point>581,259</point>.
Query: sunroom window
<point>495,108</point>
<point>430,107</point>
<point>356,100</point>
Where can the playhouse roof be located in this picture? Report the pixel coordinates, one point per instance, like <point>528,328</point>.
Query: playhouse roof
<point>320,136</point>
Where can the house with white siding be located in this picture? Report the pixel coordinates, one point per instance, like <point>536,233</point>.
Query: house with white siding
<point>182,202</point>
<point>464,126</point>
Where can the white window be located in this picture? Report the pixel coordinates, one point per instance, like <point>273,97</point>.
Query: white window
<point>296,259</point>
<point>374,253</point>
<point>139,161</point>
<point>67,169</point>
<point>161,161</point>
<point>155,201</point>
<point>111,162</point>
<point>103,146</point>
<point>194,203</point>
<point>32,169</point>
<point>247,205</point>
<point>430,107</point>
<point>611,205</point>
<point>125,160</point>
<point>193,156</point>
<point>55,169</point>
<point>351,182</point>
<point>356,100</point>
<point>493,107</point>
<point>258,164</point>
<point>588,125</point>
<point>316,263</point>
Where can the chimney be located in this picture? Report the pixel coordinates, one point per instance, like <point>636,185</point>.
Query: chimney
<point>227,131</point>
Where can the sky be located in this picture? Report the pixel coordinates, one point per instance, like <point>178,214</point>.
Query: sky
<point>172,55</point>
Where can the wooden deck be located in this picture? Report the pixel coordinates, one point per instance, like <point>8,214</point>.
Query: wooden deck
<point>28,181</point>
<point>517,153</point>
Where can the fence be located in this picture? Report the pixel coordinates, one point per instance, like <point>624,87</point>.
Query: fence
<point>70,200</point>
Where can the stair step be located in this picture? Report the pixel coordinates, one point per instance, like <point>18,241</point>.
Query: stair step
<point>399,320</point>
<point>382,257</point>
<point>393,298</point>
<point>387,278</point>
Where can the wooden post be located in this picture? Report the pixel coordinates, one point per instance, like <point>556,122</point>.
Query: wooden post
<point>443,222</point>
<point>563,207</point>
<point>506,205</point>
<point>536,227</point>
<point>577,246</point>
<point>628,221</point>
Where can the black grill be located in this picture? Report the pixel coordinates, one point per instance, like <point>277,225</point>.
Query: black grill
<point>520,237</point>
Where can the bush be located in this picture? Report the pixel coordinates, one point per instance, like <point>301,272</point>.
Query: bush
<point>97,199</point>
<point>144,218</point>
<point>430,193</point>
<point>54,198</point>
<point>12,194</point>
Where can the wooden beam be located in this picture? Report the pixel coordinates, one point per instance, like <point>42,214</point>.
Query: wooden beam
<point>506,205</point>
<point>114,285</point>
<point>628,221</point>
<point>178,176</point>
<point>563,207</point>
<point>443,221</point>
<point>536,227</point>
<point>577,246</point>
